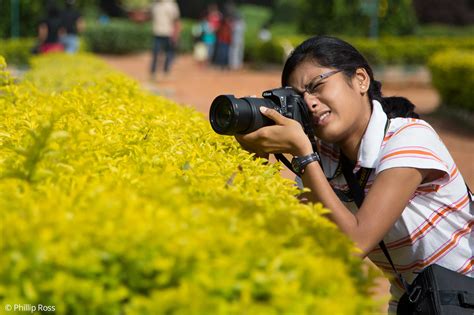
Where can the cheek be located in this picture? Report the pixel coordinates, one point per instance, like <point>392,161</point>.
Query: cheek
<point>340,100</point>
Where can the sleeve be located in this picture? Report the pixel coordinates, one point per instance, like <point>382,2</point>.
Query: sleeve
<point>416,145</point>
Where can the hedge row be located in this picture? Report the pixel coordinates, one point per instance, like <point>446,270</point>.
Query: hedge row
<point>17,51</point>
<point>119,36</point>
<point>115,201</point>
<point>452,74</point>
<point>383,51</point>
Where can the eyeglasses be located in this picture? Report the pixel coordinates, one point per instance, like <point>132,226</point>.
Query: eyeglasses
<point>314,83</point>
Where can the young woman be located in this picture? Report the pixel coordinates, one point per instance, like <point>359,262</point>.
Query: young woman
<point>415,197</point>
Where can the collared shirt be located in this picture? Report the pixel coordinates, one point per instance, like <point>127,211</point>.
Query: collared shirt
<point>437,224</point>
<point>164,14</point>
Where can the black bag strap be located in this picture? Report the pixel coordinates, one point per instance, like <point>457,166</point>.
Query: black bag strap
<point>358,194</point>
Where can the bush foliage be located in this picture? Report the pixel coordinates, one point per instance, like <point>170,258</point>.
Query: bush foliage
<point>452,74</point>
<point>118,36</point>
<point>383,51</point>
<point>115,201</point>
<point>17,51</point>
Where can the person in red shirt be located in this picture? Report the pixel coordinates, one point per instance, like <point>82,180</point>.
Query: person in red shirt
<point>224,39</point>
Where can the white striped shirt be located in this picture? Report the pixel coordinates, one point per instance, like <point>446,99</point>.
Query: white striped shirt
<point>437,224</point>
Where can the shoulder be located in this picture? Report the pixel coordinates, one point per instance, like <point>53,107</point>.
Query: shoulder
<point>412,142</point>
<point>403,126</point>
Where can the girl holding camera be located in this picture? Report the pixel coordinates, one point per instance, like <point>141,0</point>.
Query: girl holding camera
<point>416,200</point>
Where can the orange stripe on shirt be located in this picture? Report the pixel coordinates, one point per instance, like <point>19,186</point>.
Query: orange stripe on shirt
<point>449,246</point>
<point>467,268</point>
<point>414,124</point>
<point>428,224</point>
<point>411,151</point>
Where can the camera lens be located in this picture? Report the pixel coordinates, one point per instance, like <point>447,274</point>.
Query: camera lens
<point>224,115</point>
<point>230,115</point>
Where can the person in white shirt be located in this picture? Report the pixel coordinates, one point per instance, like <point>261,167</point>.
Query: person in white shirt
<point>416,199</point>
<point>166,28</point>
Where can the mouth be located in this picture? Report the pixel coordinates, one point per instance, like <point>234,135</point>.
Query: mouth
<point>322,118</point>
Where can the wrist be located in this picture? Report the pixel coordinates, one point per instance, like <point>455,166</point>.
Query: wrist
<point>299,163</point>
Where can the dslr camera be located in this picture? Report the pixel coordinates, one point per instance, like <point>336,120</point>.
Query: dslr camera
<point>230,115</point>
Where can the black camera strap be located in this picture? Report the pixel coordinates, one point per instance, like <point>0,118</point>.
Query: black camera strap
<point>358,194</point>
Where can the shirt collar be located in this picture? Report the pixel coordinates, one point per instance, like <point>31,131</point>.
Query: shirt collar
<point>373,137</point>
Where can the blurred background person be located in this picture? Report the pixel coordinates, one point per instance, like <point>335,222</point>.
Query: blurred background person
<point>214,18</point>
<point>166,28</point>
<point>50,30</point>
<point>73,24</point>
<point>203,39</point>
<point>224,39</point>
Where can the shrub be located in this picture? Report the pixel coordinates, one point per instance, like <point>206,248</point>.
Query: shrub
<point>452,74</point>
<point>17,51</point>
<point>114,201</point>
<point>407,50</point>
<point>121,36</point>
<point>383,51</point>
<point>118,36</point>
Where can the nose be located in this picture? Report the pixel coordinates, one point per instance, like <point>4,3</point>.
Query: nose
<point>311,101</point>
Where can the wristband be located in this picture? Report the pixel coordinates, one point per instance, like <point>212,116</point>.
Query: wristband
<point>299,163</point>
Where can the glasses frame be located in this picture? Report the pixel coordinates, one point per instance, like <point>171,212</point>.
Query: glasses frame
<point>309,88</point>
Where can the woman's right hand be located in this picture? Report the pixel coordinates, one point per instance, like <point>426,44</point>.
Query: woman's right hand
<point>286,136</point>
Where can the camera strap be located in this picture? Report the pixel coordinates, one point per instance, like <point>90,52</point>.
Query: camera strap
<point>358,194</point>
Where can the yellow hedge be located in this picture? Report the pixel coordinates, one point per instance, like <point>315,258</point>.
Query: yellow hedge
<point>114,201</point>
<point>452,74</point>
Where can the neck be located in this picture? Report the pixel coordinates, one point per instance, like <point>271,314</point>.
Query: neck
<point>350,145</point>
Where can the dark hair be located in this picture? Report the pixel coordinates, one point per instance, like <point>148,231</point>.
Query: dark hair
<point>335,53</point>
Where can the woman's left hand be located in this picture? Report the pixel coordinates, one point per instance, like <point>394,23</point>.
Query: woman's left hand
<point>286,136</point>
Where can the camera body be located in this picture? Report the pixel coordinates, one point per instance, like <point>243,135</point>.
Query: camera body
<point>230,115</point>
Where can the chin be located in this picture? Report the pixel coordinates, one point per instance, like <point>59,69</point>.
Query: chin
<point>328,135</point>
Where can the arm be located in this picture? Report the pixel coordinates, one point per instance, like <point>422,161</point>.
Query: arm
<point>381,208</point>
<point>383,205</point>
<point>176,31</point>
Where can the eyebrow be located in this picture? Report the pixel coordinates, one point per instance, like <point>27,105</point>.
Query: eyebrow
<point>319,78</point>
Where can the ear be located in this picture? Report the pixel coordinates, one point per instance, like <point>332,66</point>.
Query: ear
<point>361,80</point>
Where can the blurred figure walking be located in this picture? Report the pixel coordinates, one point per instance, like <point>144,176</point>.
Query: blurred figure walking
<point>166,29</point>
<point>73,25</point>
